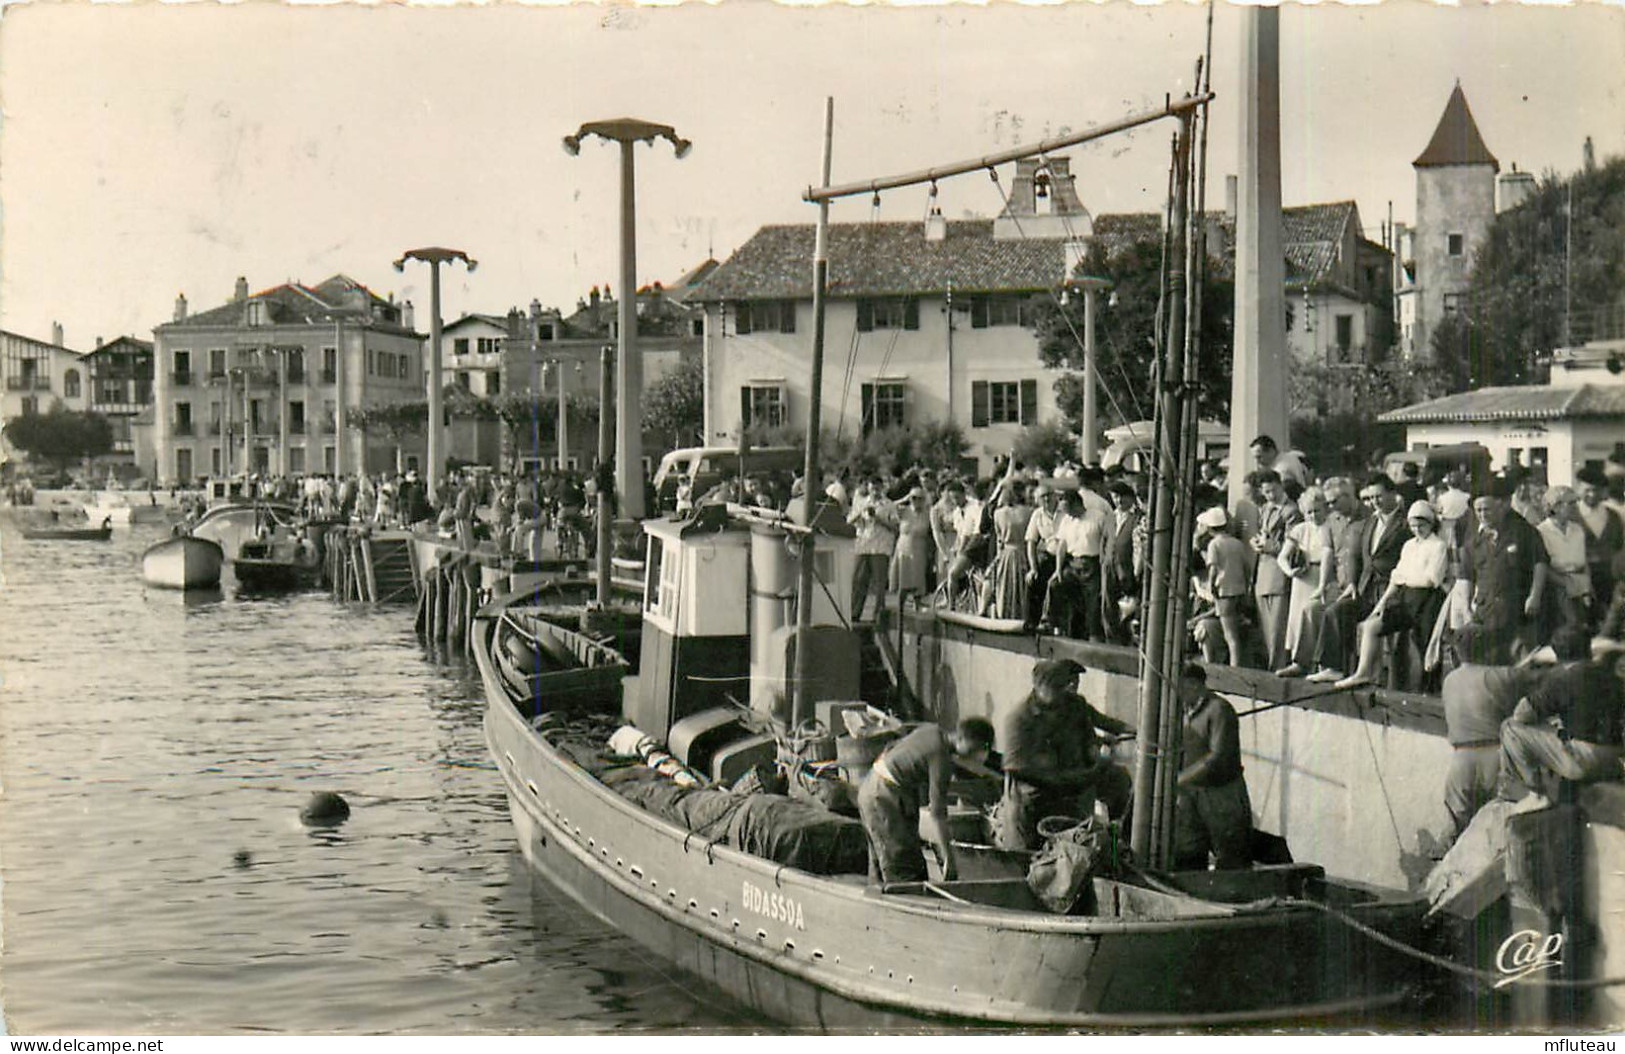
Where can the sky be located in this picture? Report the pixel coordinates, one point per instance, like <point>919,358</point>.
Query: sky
<point>153,149</point>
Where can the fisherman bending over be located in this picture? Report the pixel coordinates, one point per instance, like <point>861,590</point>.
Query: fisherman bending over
<point>916,768</point>
<point>1570,727</point>
<point>1052,763</point>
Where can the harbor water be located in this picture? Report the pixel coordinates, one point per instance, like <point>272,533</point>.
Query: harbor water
<point>155,749</point>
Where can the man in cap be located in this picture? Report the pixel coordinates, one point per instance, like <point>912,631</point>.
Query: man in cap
<point>1212,812</point>
<point>1507,566</point>
<point>1229,572</point>
<point>1052,763</point>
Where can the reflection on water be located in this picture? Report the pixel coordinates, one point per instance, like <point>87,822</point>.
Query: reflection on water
<point>156,748</point>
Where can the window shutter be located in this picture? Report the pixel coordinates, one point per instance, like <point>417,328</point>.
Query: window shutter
<point>978,313</point>
<point>741,318</point>
<point>744,407</point>
<point>866,316</point>
<point>978,404</point>
<point>867,409</point>
<point>911,313</point>
<point>1029,402</point>
<point>787,316</point>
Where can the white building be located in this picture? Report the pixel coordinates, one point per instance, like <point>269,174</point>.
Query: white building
<point>1577,419</point>
<point>38,377</point>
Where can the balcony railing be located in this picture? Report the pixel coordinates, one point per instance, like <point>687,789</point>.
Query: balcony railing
<point>329,376</point>
<point>182,428</point>
<point>216,376</point>
<point>28,384</point>
<point>181,378</point>
<point>296,428</point>
<point>214,428</point>
<point>296,375</point>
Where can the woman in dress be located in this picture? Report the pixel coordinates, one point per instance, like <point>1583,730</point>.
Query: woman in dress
<point>911,563</point>
<point>1415,592</point>
<point>1306,559</point>
<point>1005,594</point>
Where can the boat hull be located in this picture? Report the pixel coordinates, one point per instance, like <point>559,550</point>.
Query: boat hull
<point>271,575</point>
<point>183,563</point>
<point>69,534</point>
<point>832,953</point>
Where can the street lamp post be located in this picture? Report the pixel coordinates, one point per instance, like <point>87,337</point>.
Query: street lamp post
<point>629,371</point>
<point>434,257</point>
<point>1089,447</point>
<point>563,422</point>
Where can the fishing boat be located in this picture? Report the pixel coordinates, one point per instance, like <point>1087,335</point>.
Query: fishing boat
<point>117,508</point>
<point>280,560</point>
<point>183,562</point>
<point>230,524</point>
<point>59,533</point>
<point>790,925</point>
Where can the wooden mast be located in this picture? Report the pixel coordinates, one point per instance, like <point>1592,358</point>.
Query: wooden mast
<point>1154,749</point>
<point>811,489</point>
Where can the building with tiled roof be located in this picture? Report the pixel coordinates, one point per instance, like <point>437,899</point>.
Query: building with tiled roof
<point>898,357</point>
<point>262,382</point>
<point>119,387</point>
<point>39,375</point>
<point>1577,419</point>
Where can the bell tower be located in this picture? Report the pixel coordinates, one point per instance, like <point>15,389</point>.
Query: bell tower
<point>1455,205</point>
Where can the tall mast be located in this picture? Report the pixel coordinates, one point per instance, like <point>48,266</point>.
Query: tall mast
<point>811,492</point>
<point>1154,747</point>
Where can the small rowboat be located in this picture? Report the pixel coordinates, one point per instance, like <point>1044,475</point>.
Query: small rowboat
<point>275,564</point>
<point>70,534</point>
<point>183,562</point>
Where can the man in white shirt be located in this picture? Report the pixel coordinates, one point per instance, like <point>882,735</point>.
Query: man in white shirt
<point>1043,544</point>
<point>1565,540</point>
<point>876,521</point>
<point>1074,603</point>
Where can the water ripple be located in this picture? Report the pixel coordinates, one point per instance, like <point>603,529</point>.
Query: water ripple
<point>155,749</point>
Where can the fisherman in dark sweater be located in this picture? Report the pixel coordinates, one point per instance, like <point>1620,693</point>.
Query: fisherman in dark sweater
<point>1212,811</point>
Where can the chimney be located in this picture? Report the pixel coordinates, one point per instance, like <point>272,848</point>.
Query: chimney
<point>1231,189</point>
<point>180,307</point>
<point>592,296</point>
<point>406,315</point>
<point>936,228</point>
<point>1063,188</point>
<point>535,308</point>
<point>1590,154</point>
<point>98,342</point>
<point>56,334</point>
<point>242,288</point>
<point>1023,200</point>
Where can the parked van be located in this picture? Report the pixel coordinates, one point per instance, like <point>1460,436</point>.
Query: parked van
<point>710,465</point>
<point>1471,459</point>
<point>1131,445</point>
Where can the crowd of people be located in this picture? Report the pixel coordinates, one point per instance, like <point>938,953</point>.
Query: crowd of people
<point>1340,580</point>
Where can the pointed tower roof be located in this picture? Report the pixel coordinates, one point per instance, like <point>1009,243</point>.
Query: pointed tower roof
<point>1456,141</point>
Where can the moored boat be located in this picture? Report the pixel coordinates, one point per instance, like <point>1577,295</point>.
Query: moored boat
<point>183,562</point>
<point>117,508</point>
<point>276,562</point>
<point>59,533</point>
<point>811,943</point>
<point>232,523</point>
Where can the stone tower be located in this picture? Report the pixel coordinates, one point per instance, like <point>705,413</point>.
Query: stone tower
<point>1455,204</point>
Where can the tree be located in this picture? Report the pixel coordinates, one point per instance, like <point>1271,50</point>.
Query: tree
<point>395,421</point>
<point>530,417</point>
<point>1542,274</point>
<point>1126,328</point>
<point>1045,445</point>
<point>61,437</point>
<point>675,404</point>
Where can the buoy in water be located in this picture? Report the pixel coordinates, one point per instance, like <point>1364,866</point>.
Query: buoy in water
<point>324,809</point>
